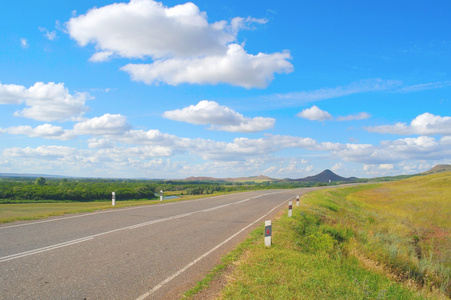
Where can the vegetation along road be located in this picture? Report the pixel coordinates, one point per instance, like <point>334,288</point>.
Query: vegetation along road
<point>154,252</point>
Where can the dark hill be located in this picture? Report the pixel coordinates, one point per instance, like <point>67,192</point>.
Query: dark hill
<point>324,177</point>
<point>438,168</point>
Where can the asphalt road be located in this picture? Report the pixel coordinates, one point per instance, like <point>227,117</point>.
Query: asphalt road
<point>145,252</point>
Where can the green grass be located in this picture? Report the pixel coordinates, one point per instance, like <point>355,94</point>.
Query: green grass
<point>375,241</point>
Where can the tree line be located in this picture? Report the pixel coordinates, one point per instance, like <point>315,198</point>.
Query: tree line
<point>86,189</point>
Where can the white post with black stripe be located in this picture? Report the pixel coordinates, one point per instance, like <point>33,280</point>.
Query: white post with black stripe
<point>297,200</point>
<point>290,209</point>
<point>268,233</point>
<point>161,195</point>
<point>113,198</point>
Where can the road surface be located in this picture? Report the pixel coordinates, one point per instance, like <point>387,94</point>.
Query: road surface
<point>144,252</point>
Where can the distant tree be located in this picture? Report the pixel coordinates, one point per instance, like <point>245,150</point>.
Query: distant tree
<point>40,181</point>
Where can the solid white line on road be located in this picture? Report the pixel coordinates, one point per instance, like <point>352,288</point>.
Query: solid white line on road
<point>167,280</point>
<point>84,239</point>
<point>40,250</point>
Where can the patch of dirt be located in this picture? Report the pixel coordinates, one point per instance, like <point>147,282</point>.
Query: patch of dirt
<point>216,285</point>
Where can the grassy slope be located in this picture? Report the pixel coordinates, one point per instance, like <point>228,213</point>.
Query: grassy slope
<point>380,241</point>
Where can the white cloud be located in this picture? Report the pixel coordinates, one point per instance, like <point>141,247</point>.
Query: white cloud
<point>388,152</point>
<point>185,47</point>
<point>236,67</point>
<point>219,117</point>
<point>359,116</point>
<point>337,167</point>
<point>50,35</point>
<point>24,43</point>
<point>148,28</point>
<point>100,143</point>
<point>293,168</point>
<point>315,114</point>
<point>43,152</point>
<point>107,124</point>
<point>47,131</point>
<point>425,86</point>
<point>363,86</point>
<point>11,93</point>
<point>45,102</point>
<point>425,124</point>
<point>132,150</point>
<point>101,56</point>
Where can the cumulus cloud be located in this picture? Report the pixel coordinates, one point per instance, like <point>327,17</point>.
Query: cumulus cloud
<point>107,124</point>
<point>41,152</point>
<point>314,113</point>
<point>425,124</point>
<point>45,102</point>
<point>388,152</point>
<point>47,131</point>
<point>219,117</point>
<point>143,28</point>
<point>337,167</point>
<point>235,67</point>
<point>101,56</point>
<point>185,47</point>
<point>12,93</point>
<point>133,149</point>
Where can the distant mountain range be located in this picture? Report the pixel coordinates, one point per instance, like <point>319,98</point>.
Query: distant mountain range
<point>260,178</point>
<point>323,177</point>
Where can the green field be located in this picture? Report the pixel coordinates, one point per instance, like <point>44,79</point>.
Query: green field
<point>375,241</point>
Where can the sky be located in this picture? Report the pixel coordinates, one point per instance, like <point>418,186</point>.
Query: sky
<point>173,89</point>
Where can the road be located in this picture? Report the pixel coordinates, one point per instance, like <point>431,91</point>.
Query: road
<point>145,252</point>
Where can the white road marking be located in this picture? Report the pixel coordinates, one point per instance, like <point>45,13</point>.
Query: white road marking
<point>40,250</point>
<point>167,280</point>
<point>91,237</point>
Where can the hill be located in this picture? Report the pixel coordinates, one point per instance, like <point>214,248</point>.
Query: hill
<point>325,177</point>
<point>260,178</point>
<point>438,169</point>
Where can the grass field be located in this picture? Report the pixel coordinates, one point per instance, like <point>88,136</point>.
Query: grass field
<point>376,241</point>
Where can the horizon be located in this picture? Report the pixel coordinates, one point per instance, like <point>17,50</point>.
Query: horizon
<point>91,89</point>
<point>9,175</point>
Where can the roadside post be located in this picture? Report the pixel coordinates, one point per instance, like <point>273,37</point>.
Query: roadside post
<point>290,209</point>
<point>113,198</point>
<point>268,233</point>
<point>161,195</point>
<point>297,200</point>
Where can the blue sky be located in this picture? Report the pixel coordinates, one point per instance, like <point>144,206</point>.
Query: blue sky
<point>224,88</point>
